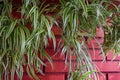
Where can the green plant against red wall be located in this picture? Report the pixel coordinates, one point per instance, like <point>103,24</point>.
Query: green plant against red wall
<point>23,45</point>
<point>80,20</point>
<point>20,45</point>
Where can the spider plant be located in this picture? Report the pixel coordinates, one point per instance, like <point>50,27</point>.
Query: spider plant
<point>112,38</point>
<point>20,45</point>
<point>80,18</point>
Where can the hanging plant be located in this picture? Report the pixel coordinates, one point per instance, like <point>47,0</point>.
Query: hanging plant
<point>80,18</point>
<point>24,46</point>
<point>112,36</point>
<point>20,45</point>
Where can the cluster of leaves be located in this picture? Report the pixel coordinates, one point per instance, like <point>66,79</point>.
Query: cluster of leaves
<point>77,76</point>
<point>112,37</point>
<point>80,20</point>
<point>22,46</point>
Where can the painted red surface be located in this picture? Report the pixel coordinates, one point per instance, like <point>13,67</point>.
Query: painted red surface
<point>114,76</point>
<point>47,77</point>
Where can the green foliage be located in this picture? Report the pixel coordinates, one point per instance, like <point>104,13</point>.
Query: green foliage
<point>78,76</point>
<point>112,39</point>
<point>80,19</point>
<point>19,43</point>
<point>22,46</point>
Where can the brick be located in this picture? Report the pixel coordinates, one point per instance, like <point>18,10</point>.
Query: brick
<point>57,30</point>
<point>101,76</point>
<point>96,54</point>
<point>99,32</point>
<point>108,66</point>
<point>54,77</point>
<point>95,43</point>
<point>111,56</point>
<point>73,57</point>
<point>16,14</point>
<point>47,77</point>
<point>57,67</point>
<point>114,76</point>
<point>54,55</point>
<point>50,45</point>
<point>16,2</point>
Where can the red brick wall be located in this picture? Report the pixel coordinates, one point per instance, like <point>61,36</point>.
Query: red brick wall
<point>110,69</point>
